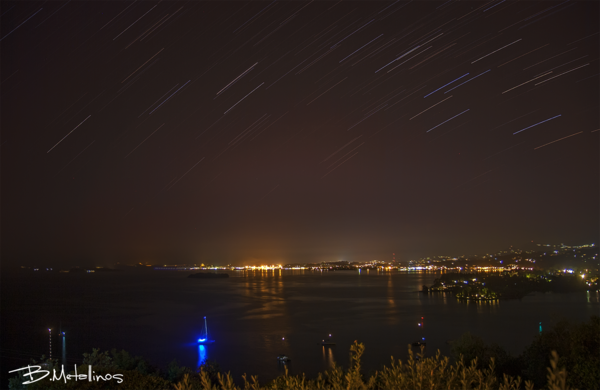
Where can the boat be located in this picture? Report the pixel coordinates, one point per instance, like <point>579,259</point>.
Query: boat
<point>421,343</point>
<point>204,337</point>
<point>283,358</point>
<point>327,341</point>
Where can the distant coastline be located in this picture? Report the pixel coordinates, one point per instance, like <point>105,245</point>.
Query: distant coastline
<point>508,284</point>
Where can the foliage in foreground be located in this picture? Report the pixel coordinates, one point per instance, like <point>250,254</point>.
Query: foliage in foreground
<point>577,344</point>
<point>475,365</point>
<point>418,372</point>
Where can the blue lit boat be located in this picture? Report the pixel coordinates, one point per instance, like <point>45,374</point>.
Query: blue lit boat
<point>204,337</point>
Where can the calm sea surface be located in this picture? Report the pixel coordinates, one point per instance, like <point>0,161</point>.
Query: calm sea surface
<point>255,316</point>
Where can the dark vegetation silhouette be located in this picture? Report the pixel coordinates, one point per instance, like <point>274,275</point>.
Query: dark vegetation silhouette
<point>566,356</point>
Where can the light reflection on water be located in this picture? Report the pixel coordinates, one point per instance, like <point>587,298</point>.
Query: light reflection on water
<point>328,360</point>
<point>202,355</point>
<point>486,306</point>
<point>64,350</point>
<point>251,312</point>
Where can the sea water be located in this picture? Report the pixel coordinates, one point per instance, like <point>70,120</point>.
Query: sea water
<point>256,316</point>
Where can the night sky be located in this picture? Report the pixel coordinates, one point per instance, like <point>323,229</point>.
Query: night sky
<point>281,132</point>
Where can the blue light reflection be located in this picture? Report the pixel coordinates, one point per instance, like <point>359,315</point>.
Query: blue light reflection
<point>202,355</point>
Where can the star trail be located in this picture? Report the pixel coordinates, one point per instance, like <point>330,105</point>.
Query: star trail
<point>291,131</point>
